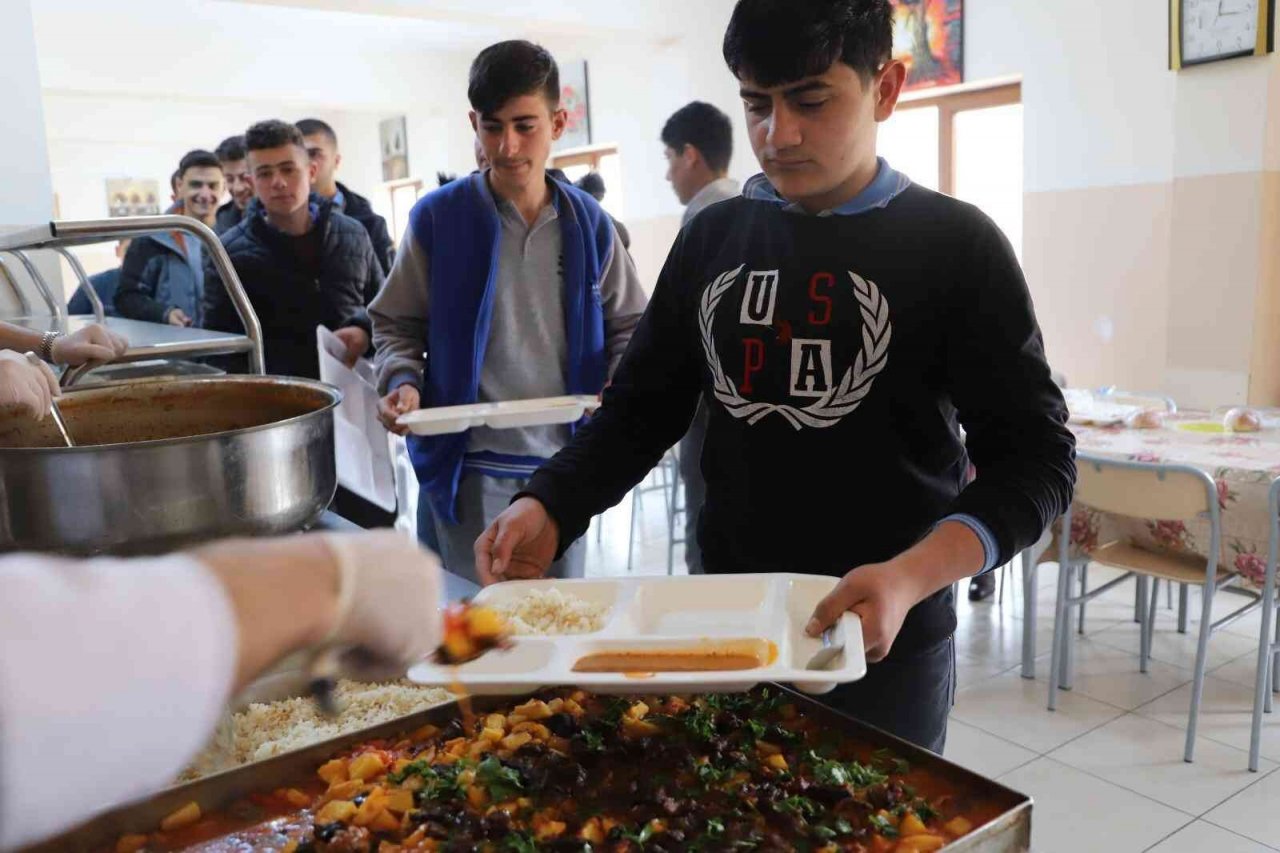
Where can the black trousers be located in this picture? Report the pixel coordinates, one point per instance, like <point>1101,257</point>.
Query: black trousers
<point>910,697</point>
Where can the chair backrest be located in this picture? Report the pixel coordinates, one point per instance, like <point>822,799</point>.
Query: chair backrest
<point>1145,489</point>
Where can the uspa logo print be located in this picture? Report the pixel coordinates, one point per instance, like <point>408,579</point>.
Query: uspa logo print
<point>812,372</point>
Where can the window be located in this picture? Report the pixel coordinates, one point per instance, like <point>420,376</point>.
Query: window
<point>403,195</point>
<point>966,141</point>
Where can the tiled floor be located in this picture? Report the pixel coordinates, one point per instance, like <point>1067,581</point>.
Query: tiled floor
<point>1106,768</point>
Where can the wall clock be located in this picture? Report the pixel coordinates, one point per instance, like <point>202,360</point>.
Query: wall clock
<point>1202,31</point>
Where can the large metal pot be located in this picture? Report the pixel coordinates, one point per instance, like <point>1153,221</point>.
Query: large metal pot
<point>164,463</point>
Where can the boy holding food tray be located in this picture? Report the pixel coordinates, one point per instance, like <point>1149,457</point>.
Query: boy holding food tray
<point>841,325</point>
<point>516,286</point>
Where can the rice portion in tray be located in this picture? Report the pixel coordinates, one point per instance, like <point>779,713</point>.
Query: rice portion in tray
<point>550,611</point>
<point>267,729</point>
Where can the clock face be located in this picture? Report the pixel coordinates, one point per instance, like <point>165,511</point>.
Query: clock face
<point>1214,29</point>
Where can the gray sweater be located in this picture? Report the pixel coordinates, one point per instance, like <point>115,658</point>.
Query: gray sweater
<point>526,354</point>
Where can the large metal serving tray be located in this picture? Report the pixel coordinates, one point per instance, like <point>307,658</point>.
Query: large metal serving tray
<point>1010,832</point>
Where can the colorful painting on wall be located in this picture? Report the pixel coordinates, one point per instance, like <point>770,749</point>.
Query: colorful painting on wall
<point>576,101</point>
<point>929,36</point>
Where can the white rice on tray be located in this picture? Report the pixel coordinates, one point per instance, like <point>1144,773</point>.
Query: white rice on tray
<point>266,729</point>
<point>550,611</point>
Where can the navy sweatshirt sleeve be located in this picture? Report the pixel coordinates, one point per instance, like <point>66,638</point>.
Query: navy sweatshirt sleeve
<point>647,408</point>
<point>1013,413</point>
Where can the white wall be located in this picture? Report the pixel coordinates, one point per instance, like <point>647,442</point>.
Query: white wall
<point>27,198</point>
<point>207,68</point>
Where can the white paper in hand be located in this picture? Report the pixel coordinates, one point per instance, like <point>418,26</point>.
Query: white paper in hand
<point>363,445</point>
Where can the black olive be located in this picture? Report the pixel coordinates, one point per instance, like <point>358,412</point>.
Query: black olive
<point>452,729</point>
<point>496,825</point>
<point>561,724</point>
<point>359,799</point>
<point>327,831</point>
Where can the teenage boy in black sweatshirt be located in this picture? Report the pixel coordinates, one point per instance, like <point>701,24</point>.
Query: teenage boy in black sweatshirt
<point>841,324</point>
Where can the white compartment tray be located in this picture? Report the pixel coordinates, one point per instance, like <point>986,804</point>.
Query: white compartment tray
<point>655,613</point>
<point>508,415</point>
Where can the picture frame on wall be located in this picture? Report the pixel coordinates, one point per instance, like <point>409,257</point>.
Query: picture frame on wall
<point>928,35</point>
<point>1205,31</point>
<point>575,100</point>
<point>133,197</point>
<point>394,138</point>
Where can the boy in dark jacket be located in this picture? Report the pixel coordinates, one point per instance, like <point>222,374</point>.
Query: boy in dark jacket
<point>302,263</point>
<point>162,278</point>
<point>841,324</point>
<point>322,147</point>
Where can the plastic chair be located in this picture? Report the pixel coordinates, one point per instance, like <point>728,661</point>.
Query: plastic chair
<point>1154,491</point>
<point>1265,684</point>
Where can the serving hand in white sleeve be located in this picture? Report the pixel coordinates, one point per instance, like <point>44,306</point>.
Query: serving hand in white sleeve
<point>378,591</point>
<point>201,625</point>
<point>31,386</point>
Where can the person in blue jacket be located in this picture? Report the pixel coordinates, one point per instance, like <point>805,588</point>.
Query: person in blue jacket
<point>162,280</point>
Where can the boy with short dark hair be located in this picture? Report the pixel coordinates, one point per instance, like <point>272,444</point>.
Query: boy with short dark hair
<point>235,166</point>
<point>842,324</point>
<point>162,276</point>
<point>515,286</point>
<point>322,146</point>
<point>302,263</point>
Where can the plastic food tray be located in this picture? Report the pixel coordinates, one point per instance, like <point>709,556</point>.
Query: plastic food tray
<point>507,415</point>
<point>664,613</point>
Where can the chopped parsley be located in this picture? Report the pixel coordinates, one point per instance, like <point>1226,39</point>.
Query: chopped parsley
<point>520,842</point>
<point>439,782</point>
<point>883,826</point>
<point>503,783</point>
<point>798,805</point>
<point>830,772</point>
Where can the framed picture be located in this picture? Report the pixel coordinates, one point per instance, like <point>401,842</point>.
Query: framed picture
<point>928,35</point>
<point>133,197</point>
<point>393,134</point>
<point>1202,31</point>
<point>575,99</point>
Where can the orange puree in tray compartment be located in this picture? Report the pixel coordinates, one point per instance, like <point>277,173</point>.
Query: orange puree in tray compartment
<point>704,656</point>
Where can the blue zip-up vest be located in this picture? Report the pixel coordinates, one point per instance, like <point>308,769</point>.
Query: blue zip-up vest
<point>458,228</point>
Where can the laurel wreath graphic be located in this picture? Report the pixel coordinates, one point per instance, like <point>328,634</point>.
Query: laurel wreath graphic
<point>840,400</point>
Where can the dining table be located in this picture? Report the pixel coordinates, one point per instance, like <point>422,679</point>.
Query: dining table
<point>1243,466</point>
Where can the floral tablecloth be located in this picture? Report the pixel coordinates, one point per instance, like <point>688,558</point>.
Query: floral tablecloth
<point>1242,464</point>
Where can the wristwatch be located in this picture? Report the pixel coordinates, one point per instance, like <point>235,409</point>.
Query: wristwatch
<point>46,344</point>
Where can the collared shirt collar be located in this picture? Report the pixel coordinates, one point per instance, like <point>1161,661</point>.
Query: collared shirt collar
<point>887,185</point>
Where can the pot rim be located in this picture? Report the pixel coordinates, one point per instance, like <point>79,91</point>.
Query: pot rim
<point>334,394</point>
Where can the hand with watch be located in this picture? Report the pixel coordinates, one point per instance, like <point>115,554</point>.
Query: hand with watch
<point>91,343</point>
